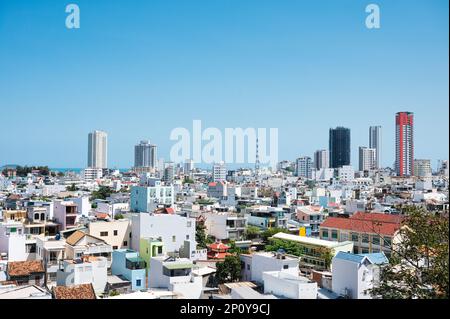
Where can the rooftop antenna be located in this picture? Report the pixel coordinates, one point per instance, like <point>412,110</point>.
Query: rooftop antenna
<point>257,160</point>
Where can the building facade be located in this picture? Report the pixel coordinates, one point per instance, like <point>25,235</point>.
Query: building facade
<point>98,150</point>
<point>375,143</point>
<point>339,147</point>
<point>404,144</point>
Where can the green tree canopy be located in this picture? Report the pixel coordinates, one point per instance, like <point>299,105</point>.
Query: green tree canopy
<point>418,266</point>
<point>228,270</point>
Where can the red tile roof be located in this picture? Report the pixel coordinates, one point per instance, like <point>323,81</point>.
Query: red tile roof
<point>24,268</point>
<point>361,222</point>
<point>85,291</point>
<point>219,247</point>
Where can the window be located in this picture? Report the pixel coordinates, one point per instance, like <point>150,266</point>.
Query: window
<point>375,240</point>
<point>285,266</point>
<point>125,243</point>
<point>174,239</point>
<point>160,250</point>
<point>42,217</point>
<point>138,282</point>
<point>103,233</point>
<point>189,224</point>
<point>364,239</point>
<point>115,232</point>
<point>355,237</point>
<point>36,216</point>
<point>334,234</point>
<point>387,241</point>
<point>130,235</point>
<point>248,266</point>
<point>325,233</point>
<point>115,247</point>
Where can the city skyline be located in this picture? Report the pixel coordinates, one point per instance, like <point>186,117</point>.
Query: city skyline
<point>155,70</point>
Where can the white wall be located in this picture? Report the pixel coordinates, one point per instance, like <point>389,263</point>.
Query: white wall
<point>266,262</point>
<point>289,285</point>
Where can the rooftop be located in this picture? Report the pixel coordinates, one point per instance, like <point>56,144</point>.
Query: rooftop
<point>24,268</point>
<point>85,291</point>
<point>310,240</point>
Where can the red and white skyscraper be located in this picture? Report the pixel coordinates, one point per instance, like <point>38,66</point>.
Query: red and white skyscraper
<point>404,143</point>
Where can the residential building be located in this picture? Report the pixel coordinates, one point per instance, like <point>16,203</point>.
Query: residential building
<point>147,198</point>
<point>188,166</point>
<point>289,284</point>
<point>225,225</point>
<point>65,213</point>
<point>267,217</point>
<point>375,142</point>
<point>77,292</point>
<point>130,265</point>
<point>321,159</point>
<point>314,251</point>
<point>116,233</point>
<point>259,262</point>
<point>30,272</point>
<point>369,232</point>
<point>150,247</point>
<point>354,275</point>
<point>91,174</point>
<point>145,155</point>
<point>219,172</point>
<point>346,173</point>
<point>175,274</point>
<point>367,158</point>
<point>13,240</point>
<point>339,147</point>
<point>312,216</point>
<point>97,150</point>
<point>172,230</point>
<point>88,270</point>
<point>422,167</point>
<point>404,144</point>
<point>51,250</point>
<point>81,244</point>
<point>304,167</point>
<point>217,190</point>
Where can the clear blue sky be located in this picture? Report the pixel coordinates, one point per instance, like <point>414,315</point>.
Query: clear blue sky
<point>138,69</point>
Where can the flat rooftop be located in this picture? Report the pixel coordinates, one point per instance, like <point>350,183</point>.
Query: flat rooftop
<point>310,240</point>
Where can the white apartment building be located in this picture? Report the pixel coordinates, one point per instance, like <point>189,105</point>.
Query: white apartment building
<point>13,241</point>
<point>321,159</point>
<point>173,230</point>
<point>91,174</point>
<point>346,173</point>
<point>175,274</point>
<point>225,225</point>
<point>97,150</point>
<point>422,167</point>
<point>303,167</point>
<point>219,172</point>
<point>258,263</point>
<point>289,284</point>
<point>89,270</point>
<point>367,158</point>
<point>51,250</point>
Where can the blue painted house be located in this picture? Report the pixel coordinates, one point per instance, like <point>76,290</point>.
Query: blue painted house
<point>128,263</point>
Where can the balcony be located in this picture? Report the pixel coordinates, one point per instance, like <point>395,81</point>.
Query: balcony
<point>135,263</point>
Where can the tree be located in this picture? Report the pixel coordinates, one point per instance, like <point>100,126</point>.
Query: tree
<point>200,235</point>
<point>102,193</point>
<point>272,231</point>
<point>72,188</point>
<point>118,216</point>
<point>418,267</point>
<point>252,232</point>
<point>188,180</point>
<point>228,270</point>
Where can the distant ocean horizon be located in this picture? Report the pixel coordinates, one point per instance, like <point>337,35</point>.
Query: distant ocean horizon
<point>78,170</point>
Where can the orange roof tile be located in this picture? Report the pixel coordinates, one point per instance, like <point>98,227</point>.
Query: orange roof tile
<point>24,268</point>
<point>85,291</point>
<point>361,222</point>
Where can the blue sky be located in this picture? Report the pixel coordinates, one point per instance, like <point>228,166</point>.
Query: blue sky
<point>138,69</point>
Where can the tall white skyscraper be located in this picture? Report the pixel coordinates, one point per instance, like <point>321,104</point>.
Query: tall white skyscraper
<point>321,159</point>
<point>219,172</point>
<point>145,155</point>
<point>304,167</point>
<point>422,167</point>
<point>367,158</point>
<point>375,143</point>
<point>98,150</point>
